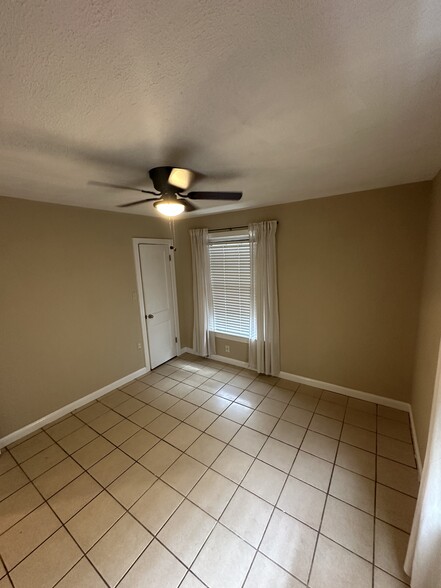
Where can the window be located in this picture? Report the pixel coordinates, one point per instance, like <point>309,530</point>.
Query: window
<point>230,267</point>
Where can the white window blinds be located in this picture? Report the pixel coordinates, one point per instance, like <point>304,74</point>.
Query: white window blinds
<point>230,281</point>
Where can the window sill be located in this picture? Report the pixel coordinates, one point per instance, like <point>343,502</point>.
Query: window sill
<point>230,337</point>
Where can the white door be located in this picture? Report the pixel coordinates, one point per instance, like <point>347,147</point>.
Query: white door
<point>155,262</point>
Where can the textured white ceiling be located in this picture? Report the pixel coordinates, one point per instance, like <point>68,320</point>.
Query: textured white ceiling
<point>283,99</point>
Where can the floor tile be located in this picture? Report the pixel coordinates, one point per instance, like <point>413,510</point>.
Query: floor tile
<point>248,441</point>
<point>82,574</point>
<point>265,573</point>
<point>65,427</point>
<point>223,429</point>
<point>211,386</point>
<point>290,544</point>
<point>68,501</point>
<point>11,481</point>
<point>223,376</point>
<point>131,485</point>
<point>7,462</point>
<point>216,404</point>
<point>278,454</point>
<point>156,506</point>
<point>145,415</point>
<point>393,413</point>
<point>195,380</point>
<point>198,397</point>
<point>90,524</point>
<point>134,387</point>
<point>397,476</point>
<point>362,405</point>
<point>182,436</point>
<point>361,419</point>
<point>129,407</point>
<point>184,474</point>
<point>186,531</point>
<point>91,453</point>
<point>303,502</point>
<point>326,426</point>
<point>212,493</point>
<point>155,567</point>
<point>396,450</point>
<point>334,397</point>
<point>330,409</point>
<point>190,581</point>
<point>394,429</point>
<point>280,394</point>
<point>201,419</point>
<point>165,384</point>
<point>395,508</point>
<point>18,505</point>
<point>113,556</point>
<point>205,449</point>
<point>181,410</point>
<point>357,460</point>
<point>27,534</point>
<point>320,446</point>
<point>229,392</point>
<point>272,407</point>
<point>224,560</point>
<point>57,477</point>
<point>238,413</point>
<point>181,390</point>
<point>259,387</point>
<point>304,401</point>
<point>163,425</point>
<point>259,421</point>
<point>165,401</point>
<point>149,395</point>
<point>288,433</point>
<point>114,398</point>
<point>247,515</point>
<point>353,489</point>
<point>297,416</point>
<point>265,481</point>
<point>43,461</point>
<point>233,464</point>
<point>383,580</point>
<point>241,381</point>
<point>49,563</point>
<point>336,567</point>
<point>313,470</point>
<point>138,445</point>
<point>249,399</point>
<point>105,421</point>
<point>110,467</point>
<point>349,526</point>
<point>361,438</point>
<point>160,458</point>
<point>78,439</point>
<point>121,432</point>
<point>390,549</point>
<point>31,446</point>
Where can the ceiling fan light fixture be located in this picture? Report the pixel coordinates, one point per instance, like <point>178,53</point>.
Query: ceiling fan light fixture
<point>169,207</point>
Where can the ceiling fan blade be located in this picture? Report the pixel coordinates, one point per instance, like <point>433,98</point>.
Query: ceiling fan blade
<point>118,187</point>
<point>214,195</point>
<point>138,202</point>
<point>181,178</point>
<point>189,207</point>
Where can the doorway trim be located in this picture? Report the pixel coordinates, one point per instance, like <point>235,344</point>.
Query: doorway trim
<point>143,241</point>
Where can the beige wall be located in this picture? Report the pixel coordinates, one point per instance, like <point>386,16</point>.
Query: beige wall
<point>350,273</point>
<point>69,323</point>
<point>430,323</point>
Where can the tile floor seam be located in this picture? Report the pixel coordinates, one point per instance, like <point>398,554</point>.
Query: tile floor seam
<point>325,503</point>
<point>63,526</point>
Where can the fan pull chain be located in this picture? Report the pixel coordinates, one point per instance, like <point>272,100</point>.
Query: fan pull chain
<point>171,222</point>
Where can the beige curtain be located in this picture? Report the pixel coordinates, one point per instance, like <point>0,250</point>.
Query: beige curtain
<point>423,560</point>
<point>264,353</point>
<point>203,338</point>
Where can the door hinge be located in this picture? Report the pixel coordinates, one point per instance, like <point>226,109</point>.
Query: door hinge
<point>176,339</point>
<point>169,257</point>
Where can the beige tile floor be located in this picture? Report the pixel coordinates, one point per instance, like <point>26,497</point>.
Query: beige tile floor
<point>202,474</point>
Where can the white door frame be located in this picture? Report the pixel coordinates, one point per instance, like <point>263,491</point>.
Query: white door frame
<point>142,312</point>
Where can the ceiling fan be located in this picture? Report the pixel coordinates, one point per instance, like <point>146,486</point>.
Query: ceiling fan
<point>170,183</point>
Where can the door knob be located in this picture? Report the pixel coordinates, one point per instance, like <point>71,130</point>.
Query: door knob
<point>150,316</point>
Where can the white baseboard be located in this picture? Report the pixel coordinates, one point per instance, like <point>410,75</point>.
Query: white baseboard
<point>391,402</point>
<point>230,361</point>
<point>57,414</point>
<point>416,447</point>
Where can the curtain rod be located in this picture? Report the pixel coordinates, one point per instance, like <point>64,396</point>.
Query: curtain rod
<point>230,229</point>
